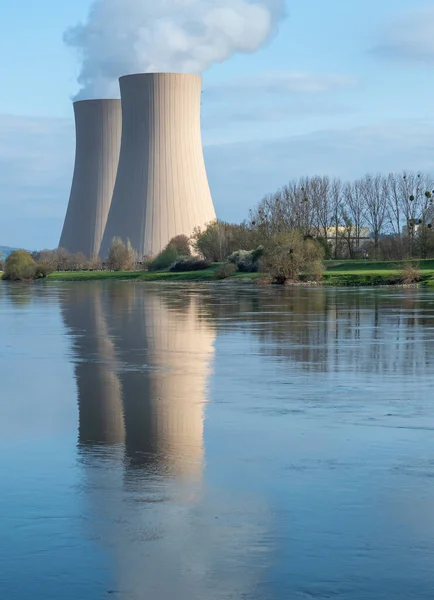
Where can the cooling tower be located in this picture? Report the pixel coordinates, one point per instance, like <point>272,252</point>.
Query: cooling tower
<point>161,188</point>
<point>99,129</point>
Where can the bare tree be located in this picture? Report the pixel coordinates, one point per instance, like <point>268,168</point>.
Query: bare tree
<point>374,202</point>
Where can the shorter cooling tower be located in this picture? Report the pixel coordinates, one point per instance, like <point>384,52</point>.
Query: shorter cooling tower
<point>161,187</point>
<point>99,129</point>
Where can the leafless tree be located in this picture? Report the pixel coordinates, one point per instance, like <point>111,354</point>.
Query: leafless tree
<point>374,202</point>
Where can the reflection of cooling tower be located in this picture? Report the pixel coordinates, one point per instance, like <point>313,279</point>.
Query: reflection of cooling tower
<point>98,127</point>
<point>161,188</point>
<point>141,368</point>
<point>169,352</point>
<point>101,418</point>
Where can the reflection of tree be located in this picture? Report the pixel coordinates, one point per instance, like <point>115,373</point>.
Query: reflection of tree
<point>325,329</point>
<point>18,294</point>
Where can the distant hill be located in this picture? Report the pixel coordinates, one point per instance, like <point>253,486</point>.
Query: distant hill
<point>5,250</point>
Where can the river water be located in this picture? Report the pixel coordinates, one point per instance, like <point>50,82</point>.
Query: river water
<point>170,442</point>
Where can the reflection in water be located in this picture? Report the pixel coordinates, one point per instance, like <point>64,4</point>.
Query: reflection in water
<point>142,367</point>
<point>328,330</point>
<point>101,419</point>
<point>317,477</point>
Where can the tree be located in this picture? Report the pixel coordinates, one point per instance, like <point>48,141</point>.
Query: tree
<point>19,266</point>
<point>122,256</point>
<point>220,239</point>
<point>288,255</point>
<point>182,245</point>
<point>374,199</point>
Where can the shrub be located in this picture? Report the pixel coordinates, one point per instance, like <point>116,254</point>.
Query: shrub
<point>410,273</point>
<point>288,255</point>
<point>219,239</point>
<point>19,266</point>
<point>189,263</point>
<point>182,245</point>
<point>122,256</point>
<point>314,272</point>
<point>77,262</point>
<point>43,269</point>
<point>247,261</point>
<point>225,271</point>
<point>164,260</point>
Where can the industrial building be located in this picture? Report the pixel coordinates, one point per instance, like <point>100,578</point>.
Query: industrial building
<point>161,187</point>
<point>98,132</point>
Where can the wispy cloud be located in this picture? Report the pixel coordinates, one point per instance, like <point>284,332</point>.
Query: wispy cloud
<point>278,83</point>
<point>275,96</point>
<point>409,36</point>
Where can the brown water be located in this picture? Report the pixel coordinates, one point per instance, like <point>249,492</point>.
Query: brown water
<point>175,442</point>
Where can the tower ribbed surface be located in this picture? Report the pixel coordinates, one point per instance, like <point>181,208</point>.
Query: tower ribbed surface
<point>161,187</point>
<point>98,129</point>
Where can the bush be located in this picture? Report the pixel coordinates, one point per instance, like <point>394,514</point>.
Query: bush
<point>314,272</point>
<point>19,266</point>
<point>189,263</point>
<point>182,245</point>
<point>410,273</point>
<point>164,260</point>
<point>122,256</point>
<point>77,262</point>
<point>288,255</point>
<point>43,269</point>
<point>247,261</point>
<point>219,239</point>
<point>225,271</point>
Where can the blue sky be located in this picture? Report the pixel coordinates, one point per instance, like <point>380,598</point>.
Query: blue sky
<point>342,88</point>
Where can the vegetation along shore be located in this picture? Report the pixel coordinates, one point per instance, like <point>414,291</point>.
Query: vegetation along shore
<point>374,231</point>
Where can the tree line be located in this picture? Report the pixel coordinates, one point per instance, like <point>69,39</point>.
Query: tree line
<point>396,209</point>
<point>288,233</point>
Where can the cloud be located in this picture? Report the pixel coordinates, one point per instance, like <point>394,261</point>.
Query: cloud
<point>37,156</point>
<point>278,83</point>
<point>242,173</point>
<point>129,36</point>
<point>409,36</point>
<point>274,97</point>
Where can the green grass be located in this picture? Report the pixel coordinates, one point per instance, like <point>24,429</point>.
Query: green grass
<point>373,266</point>
<point>92,276</point>
<point>206,275</point>
<point>338,273</point>
<point>368,273</point>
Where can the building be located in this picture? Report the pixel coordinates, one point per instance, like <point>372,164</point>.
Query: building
<point>161,187</point>
<point>98,130</point>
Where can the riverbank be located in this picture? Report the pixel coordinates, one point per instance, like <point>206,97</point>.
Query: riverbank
<point>337,273</point>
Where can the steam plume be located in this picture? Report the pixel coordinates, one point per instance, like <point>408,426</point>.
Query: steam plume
<point>130,36</point>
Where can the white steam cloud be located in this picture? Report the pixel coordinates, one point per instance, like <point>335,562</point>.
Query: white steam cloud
<point>129,36</point>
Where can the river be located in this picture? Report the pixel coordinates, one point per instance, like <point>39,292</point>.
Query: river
<point>215,442</point>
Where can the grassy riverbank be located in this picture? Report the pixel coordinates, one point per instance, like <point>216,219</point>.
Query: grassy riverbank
<point>206,275</point>
<point>337,273</point>
<point>362,273</point>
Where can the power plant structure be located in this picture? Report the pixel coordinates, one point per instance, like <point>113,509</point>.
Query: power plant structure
<point>161,187</point>
<point>139,170</point>
<point>98,126</point>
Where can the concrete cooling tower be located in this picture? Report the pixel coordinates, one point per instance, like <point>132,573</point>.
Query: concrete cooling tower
<point>161,188</point>
<point>99,129</point>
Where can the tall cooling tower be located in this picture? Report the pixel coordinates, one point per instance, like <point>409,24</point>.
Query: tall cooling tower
<point>161,188</point>
<point>99,129</point>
